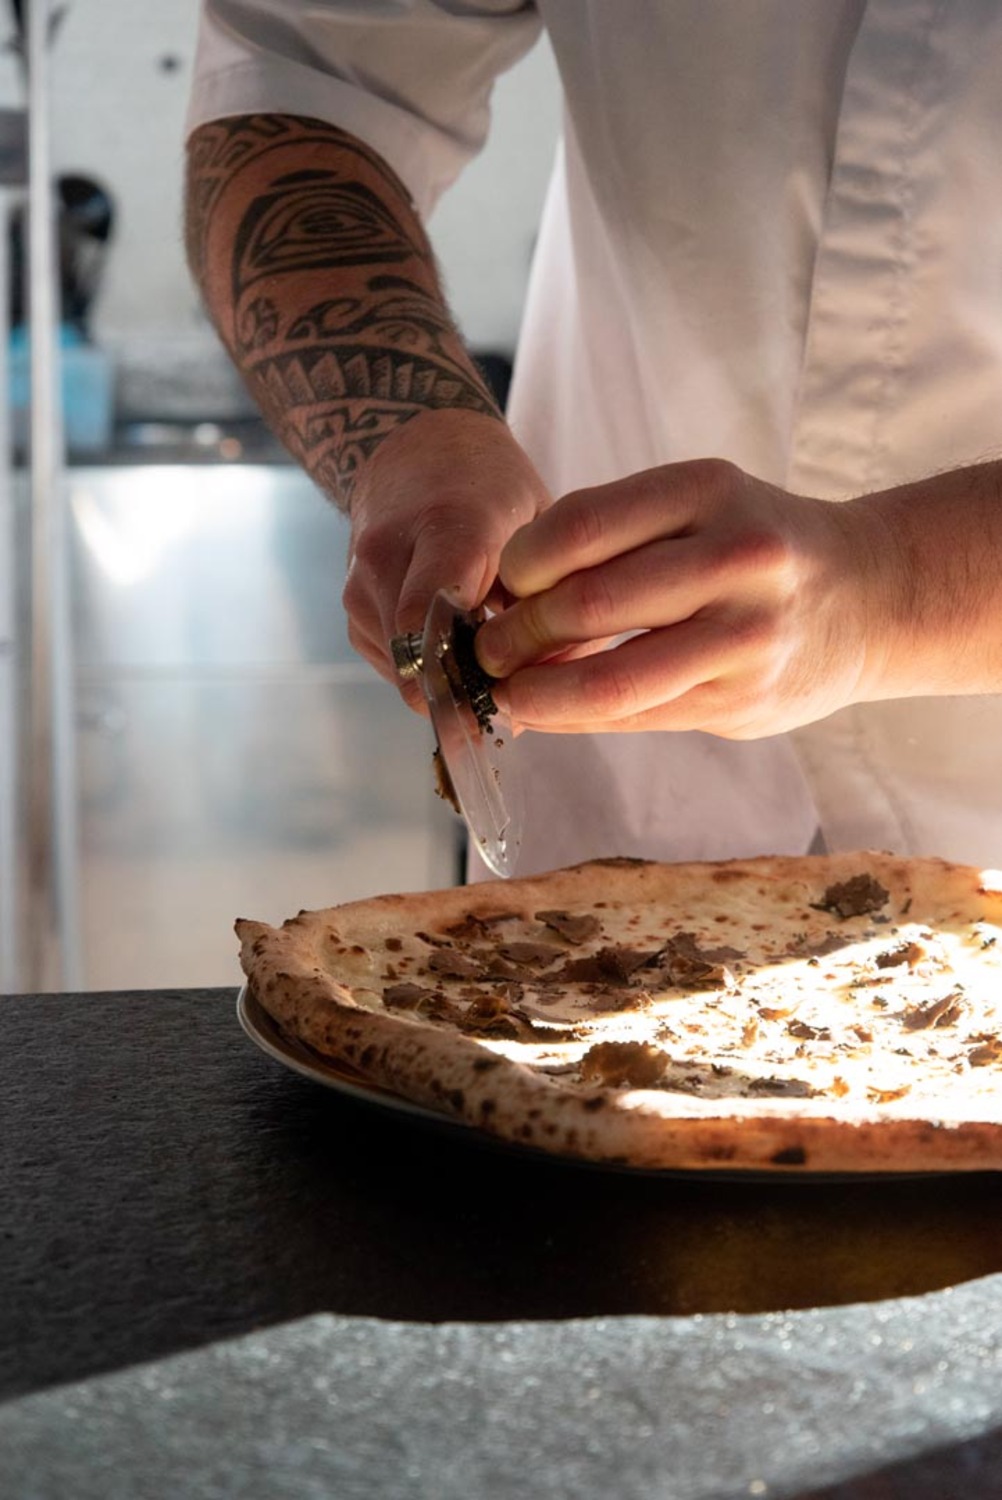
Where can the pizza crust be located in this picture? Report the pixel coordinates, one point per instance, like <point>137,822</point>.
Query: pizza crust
<point>732,1041</point>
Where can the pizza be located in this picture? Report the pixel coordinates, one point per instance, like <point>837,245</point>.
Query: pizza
<point>823,1013</point>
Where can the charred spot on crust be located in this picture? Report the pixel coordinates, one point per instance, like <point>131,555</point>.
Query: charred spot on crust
<point>484,1065</point>
<point>621,861</point>
<point>790,1156</point>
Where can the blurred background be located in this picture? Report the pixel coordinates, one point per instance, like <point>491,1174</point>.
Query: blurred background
<point>185,733</point>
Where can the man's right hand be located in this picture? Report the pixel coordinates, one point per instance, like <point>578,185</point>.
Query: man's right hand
<point>323,286</point>
<point>432,510</point>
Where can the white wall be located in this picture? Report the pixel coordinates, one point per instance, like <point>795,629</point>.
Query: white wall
<point>122,71</point>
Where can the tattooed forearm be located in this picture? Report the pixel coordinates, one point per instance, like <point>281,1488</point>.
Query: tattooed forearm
<point>322,284</point>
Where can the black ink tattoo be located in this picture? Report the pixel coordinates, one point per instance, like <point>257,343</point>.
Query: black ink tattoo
<point>258,324</point>
<point>400,309</point>
<point>342,401</point>
<point>335,376</point>
<point>314,222</point>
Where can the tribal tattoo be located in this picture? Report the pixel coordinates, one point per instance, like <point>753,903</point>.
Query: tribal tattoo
<point>329,301</point>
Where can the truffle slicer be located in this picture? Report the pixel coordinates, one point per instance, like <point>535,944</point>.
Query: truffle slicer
<point>475,740</point>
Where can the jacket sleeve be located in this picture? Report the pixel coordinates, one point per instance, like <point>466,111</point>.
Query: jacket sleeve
<point>412,78</point>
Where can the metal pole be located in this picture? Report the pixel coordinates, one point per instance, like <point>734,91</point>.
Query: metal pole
<point>53,952</point>
<point>9,945</point>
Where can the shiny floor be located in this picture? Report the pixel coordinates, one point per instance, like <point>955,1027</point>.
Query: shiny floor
<point>234,757</point>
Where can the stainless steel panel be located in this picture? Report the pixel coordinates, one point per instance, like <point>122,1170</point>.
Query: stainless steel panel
<point>204,800</point>
<point>235,757</point>
<point>177,565</point>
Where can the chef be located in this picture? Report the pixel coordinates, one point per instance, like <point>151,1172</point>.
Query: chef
<point>750,440</point>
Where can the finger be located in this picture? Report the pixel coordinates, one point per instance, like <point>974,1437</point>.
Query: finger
<point>375,576</point>
<point>457,559</point>
<point>378,656</point>
<point>588,527</point>
<point>582,649</point>
<point>618,686</point>
<point>396,570</point>
<point>371,639</point>
<point>697,709</point>
<point>682,715</point>
<point>653,586</point>
<point>371,647</point>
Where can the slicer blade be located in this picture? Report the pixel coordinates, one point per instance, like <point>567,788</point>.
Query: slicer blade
<point>475,739</point>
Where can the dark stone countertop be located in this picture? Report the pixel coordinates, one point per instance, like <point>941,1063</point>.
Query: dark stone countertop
<point>167,1187</point>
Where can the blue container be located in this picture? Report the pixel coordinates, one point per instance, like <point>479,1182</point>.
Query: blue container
<point>87,391</point>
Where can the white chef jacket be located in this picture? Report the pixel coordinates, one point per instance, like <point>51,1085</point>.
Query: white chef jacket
<point>774,234</point>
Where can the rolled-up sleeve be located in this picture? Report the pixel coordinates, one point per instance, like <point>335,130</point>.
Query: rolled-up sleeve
<point>412,78</point>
